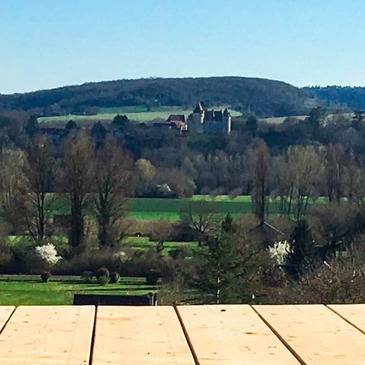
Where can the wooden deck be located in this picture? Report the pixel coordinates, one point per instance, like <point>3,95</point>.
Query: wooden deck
<point>186,335</point>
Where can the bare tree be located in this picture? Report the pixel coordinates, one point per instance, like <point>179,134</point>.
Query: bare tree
<point>305,170</point>
<point>201,216</point>
<point>38,172</point>
<point>260,181</point>
<point>11,183</point>
<point>113,183</point>
<point>334,171</point>
<point>78,155</point>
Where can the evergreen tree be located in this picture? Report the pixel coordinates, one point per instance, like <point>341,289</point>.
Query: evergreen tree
<point>303,252</point>
<point>229,267</point>
<point>32,127</point>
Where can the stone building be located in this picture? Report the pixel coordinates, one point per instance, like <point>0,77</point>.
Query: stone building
<point>203,120</point>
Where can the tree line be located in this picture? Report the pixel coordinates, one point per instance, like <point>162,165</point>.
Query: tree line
<point>91,181</point>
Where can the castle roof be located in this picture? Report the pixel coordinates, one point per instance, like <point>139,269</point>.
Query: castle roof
<point>198,108</point>
<point>177,119</point>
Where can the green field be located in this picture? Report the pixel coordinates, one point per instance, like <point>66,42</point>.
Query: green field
<point>137,113</point>
<point>30,290</point>
<point>172,209</point>
<point>144,244</point>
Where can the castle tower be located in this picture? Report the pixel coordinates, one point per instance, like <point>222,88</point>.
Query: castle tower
<point>228,120</point>
<point>199,113</point>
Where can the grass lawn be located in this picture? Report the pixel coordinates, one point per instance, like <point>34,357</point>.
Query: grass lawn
<point>30,290</point>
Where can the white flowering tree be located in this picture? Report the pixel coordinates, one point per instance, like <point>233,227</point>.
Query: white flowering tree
<point>279,251</point>
<point>48,253</point>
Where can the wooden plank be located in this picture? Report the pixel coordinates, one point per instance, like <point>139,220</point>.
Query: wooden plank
<point>232,335</point>
<point>139,335</point>
<point>316,334</point>
<point>51,335</point>
<point>354,313</point>
<point>5,313</point>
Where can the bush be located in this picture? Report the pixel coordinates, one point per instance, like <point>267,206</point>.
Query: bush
<point>45,276</point>
<point>114,277</point>
<point>103,276</point>
<point>152,277</point>
<point>87,276</point>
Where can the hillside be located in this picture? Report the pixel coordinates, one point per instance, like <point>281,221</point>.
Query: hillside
<point>337,96</point>
<point>261,96</point>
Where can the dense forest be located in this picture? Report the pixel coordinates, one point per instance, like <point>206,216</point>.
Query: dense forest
<point>352,98</point>
<point>249,95</point>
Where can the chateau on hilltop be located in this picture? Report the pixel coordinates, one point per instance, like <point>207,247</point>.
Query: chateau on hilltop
<point>203,120</point>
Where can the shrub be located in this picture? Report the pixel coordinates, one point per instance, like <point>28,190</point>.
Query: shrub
<point>45,276</point>
<point>87,276</point>
<point>114,277</point>
<point>103,276</point>
<point>152,277</point>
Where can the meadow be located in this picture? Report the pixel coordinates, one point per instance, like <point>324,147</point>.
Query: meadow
<point>170,209</point>
<point>136,113</point>
<point>173,209</point>
<point>30,290</point>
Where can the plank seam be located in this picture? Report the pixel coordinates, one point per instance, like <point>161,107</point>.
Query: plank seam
<point>185,332</point>
<point>345,319</point>
<point>7,320</point>
<point>277,334</point>
<point>91,358</point>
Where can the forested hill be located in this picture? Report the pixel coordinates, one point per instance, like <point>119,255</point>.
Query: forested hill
<point>350,97</point>
<point>340,96</point>
<point>260,96</point>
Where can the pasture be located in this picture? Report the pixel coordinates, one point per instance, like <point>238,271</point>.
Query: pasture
<point>136,113</point>
<point>30,290</point>
<point>172,209</point>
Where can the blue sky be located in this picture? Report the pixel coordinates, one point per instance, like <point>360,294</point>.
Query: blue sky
<point>51,43</point>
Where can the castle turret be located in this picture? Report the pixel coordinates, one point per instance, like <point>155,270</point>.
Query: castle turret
<point>199,113</point>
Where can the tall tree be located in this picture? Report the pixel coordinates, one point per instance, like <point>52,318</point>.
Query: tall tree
<point>305,170</point>
<point>39,176</point>
<point>303,252</point>
<point>260,181</point>
<point>201,216</point>
<point>113,180</point>
<point>334,170</point>
<point>78,155</point>
<point>230,270</point>
<point>11,186</point>
<point>315,120</point>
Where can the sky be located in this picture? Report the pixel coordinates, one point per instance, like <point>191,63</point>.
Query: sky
<point>51,43</point>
